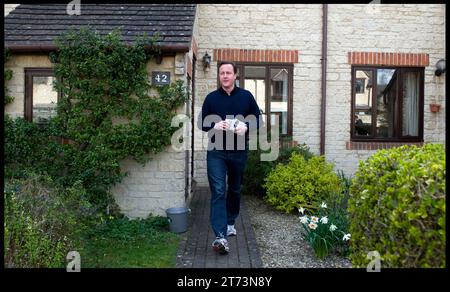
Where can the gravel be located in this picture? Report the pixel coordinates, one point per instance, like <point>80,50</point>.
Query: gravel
<point>280,241</point>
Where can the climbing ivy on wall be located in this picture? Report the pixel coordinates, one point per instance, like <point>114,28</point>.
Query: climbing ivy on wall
<point>107,111</point>
<point>8,76</point>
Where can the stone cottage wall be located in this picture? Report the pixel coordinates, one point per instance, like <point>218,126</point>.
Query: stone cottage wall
<point>412,28</point>
<point>269,27</point>
<point>401,28</point>
<point>152,188</point>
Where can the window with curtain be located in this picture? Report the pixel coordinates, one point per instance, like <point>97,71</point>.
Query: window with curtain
<point>387,104</point>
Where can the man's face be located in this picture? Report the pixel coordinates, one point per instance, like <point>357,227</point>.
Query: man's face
<point>227,76</point>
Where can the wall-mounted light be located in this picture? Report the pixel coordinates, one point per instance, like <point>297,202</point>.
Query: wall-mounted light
<point>440,67</point>
<point>206,60</point>
<point>158,58</point>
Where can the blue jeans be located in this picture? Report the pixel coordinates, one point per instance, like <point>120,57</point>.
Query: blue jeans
<point>225,204</point>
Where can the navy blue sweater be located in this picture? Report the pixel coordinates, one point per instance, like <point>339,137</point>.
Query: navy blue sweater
<point>239,102</point>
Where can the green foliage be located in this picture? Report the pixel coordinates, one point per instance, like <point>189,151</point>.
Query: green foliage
<point>8,76</point>
<point>29,147</point>
<point>105,113</point>
<point>301,183</point>
<point>256,170</point>
<point>339,200</point>
<point>42,221</point>
<point>125,243</point>
<point>126,230</point>
<point>397,207</point>
<point>325,231</point>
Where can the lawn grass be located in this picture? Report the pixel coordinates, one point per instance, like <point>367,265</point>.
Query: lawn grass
<point>124,243</point>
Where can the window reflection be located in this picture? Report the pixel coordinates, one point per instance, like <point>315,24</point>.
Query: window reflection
<point>363,103</point>
<point>386,102</point>
<point>279,98</point>
<point>255,83</point>
<point>45,98</point>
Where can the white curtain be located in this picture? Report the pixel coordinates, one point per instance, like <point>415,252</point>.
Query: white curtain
<point>411,104</point>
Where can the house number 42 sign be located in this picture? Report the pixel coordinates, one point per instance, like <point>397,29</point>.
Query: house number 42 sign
<point>160,78</point>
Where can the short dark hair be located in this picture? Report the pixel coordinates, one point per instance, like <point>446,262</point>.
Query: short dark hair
<point>231,63</point>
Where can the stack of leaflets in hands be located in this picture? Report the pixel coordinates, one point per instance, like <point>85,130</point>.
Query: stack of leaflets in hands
<point>233,124</point>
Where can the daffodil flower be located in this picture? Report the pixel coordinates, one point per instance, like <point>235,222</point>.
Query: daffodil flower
<point>323,205</point>
<point>333,227</point>
<point>304,219</point>
<point>312,226</point>
<point>324,220</point>
<point>301,210</point>
<point>346,237</point>
<point>314,219</point>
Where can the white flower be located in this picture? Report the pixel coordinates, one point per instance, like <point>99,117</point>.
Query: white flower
<point>324,220</point>
<point>314,219</point>
<point>312,226</point>
<point>301,210</point>
<point>323,205</point>
<point>333,227</point>
<point>304,219</point>
<point>346,236</point>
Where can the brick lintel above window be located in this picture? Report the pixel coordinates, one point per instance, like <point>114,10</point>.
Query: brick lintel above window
<point>389,59</point>
<point>266,56</point>
<point>351,145</point>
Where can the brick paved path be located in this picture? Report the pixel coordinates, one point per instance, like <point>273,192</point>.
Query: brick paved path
<point>195,248</point>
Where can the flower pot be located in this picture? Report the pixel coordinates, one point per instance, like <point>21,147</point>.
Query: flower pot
<point>434,107</point>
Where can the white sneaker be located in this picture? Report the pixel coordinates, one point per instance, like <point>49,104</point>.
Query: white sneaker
<point>220,245</point>
<point>231,230</point>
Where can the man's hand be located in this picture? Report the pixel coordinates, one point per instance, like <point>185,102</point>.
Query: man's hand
<point>241,129</point>
<point>222,125</point>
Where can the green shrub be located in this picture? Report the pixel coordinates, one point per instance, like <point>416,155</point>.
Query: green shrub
<point>397,207</point>
<point>256,170</point>
<point>42,222</point>
<point>29,147</point>
<point>301,182</point>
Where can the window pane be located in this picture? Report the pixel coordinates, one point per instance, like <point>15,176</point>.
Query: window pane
<point>387,102</point>
<point>410,110</point>
<point>255,83</point>
<point>363,103</point>
<point>237,76</point>
<point>45,98</point>
<point>279,97</point>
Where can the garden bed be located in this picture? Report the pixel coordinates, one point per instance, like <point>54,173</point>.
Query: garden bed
<point>280,240</point>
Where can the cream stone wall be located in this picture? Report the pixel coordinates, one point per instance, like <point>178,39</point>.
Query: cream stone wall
<point>265,26</point>
<point>16,86</point>
<point>412,28</point>
<point>148,189</point>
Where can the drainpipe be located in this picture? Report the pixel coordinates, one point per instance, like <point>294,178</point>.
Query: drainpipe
<point>324,78</point>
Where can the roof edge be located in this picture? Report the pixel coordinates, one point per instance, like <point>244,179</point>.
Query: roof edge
<point>51,48</point>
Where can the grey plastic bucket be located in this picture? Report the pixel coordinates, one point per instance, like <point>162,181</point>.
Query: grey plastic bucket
<point>178,219</point>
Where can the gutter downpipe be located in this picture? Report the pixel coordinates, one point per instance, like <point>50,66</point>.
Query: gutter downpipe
<point>324,77</point>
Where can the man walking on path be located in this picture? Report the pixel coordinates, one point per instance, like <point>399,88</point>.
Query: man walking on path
<point>225,115</point>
